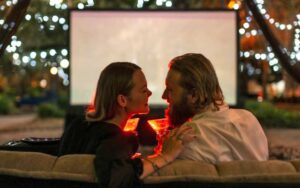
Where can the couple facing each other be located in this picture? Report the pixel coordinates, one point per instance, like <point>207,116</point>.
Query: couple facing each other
<point>206,129</point>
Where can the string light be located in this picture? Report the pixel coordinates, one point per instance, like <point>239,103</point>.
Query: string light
<point>159,3</point>
<point>51,23</point>
<point>54,22</point>
<point>270,57</point>
<point>260,4</point>
<point>234,4</point>
<point>296,48</point>
<point>53,70</point>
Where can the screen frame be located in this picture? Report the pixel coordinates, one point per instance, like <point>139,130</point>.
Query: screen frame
<point>156,107</point>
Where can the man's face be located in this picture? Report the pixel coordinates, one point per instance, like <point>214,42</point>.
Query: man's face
<point>179,109</point>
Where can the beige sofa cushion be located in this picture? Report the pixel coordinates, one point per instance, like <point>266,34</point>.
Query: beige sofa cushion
<point>184,170</point>
<point>75,163</point>
<point>237,168</point>
<point>296,164</point>
<point>274,178</point>
<point>185,167</point>
<point>78,167</point>
<point>28,161</point>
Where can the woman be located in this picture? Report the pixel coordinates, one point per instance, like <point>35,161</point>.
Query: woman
<point>121,93</point>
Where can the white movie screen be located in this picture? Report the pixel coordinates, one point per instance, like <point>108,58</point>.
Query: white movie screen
<point>150,39</point>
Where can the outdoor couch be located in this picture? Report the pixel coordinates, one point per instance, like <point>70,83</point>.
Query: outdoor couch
<point>33,169</point>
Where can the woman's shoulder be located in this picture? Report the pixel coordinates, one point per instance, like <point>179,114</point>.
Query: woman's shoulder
<point>104,126</point>
<point>102,130</point>
<point>98,129</point>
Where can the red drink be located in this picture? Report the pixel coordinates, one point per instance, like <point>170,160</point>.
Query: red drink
<point>160,126</point>
<point>131,124</point>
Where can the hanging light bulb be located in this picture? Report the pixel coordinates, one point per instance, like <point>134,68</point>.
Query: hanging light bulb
<point>234,4</point>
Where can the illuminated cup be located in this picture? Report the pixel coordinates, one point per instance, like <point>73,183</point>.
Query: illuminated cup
<point>160,126</point>
<point>131,124</point>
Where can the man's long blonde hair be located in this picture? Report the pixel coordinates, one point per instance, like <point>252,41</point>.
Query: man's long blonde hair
<point>198,75</point>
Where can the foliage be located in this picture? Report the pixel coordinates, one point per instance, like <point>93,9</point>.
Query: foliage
<point>34,33</point>
<point>34,92</point>
<point>63,100</point>
<point>47,110</point>
<point>6,104</point>
<point>271,116</point>
<point>10,92</point>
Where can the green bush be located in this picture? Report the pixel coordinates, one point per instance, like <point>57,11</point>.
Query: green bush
<point>271,116</point>
<point>63,100</point>
<point>6,104</point>
<point>47,110</point>
<point>34,92</point>
<point>10,93</point>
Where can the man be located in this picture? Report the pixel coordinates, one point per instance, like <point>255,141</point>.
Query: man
<point>195,99</point>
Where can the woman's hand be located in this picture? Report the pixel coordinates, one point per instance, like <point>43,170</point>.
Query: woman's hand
<point>174,142</point>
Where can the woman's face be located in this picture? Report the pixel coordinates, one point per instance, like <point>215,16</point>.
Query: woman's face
<point>138,97</point>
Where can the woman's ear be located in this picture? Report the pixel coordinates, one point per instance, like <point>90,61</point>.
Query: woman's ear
<point>122,101</point>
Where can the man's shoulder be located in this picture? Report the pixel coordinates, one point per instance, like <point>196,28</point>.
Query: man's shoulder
<point>241,112</point>
<point>222,117</point>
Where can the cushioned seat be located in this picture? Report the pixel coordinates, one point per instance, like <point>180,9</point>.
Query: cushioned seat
<point>30,168</point>
<point>28,161</point>
<point>296,164</point>
<point>235,168</point>
<point>185,167</point>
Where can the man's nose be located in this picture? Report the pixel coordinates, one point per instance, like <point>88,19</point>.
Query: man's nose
<point>164,95</point>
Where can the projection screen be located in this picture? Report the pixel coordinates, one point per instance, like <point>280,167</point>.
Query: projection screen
<point>150,39</point>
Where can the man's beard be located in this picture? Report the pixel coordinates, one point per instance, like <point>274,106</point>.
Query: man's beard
<point>180,113</point>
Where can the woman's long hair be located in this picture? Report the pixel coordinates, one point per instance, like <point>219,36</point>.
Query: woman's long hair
<point>115,79</point>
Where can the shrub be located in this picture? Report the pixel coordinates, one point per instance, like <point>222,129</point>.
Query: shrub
<point>6,104</point>
<point>63,100</point>
<point>271,116</point>
<point>46,110</point>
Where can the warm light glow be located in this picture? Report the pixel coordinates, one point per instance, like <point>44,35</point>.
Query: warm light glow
<point>43,83</point>
<point>131,124</point>
<point>159,125</point>
<point>234,4</point>
<point>34,84</point>
<point>53,70</point>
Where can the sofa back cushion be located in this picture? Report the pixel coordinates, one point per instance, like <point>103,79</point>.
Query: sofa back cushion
<point>186,167</point>
<point>27,161</point>
<point>76,167</point>
<point>75,163</point>
<point>237,168</point>
<point>296,164</point>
